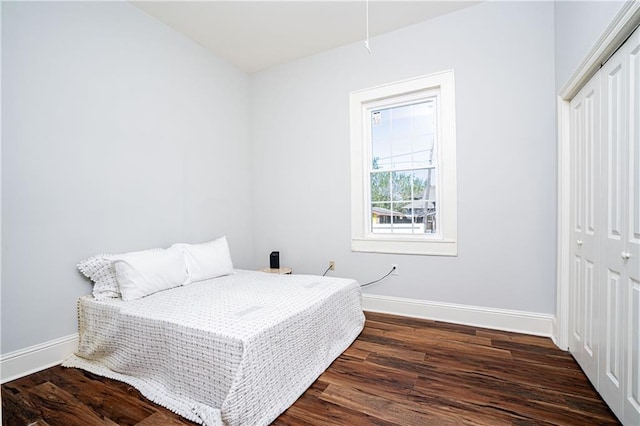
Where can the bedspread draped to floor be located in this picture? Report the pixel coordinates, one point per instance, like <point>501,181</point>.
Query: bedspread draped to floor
<point>235,350</point>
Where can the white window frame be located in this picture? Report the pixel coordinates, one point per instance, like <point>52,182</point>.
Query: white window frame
<point>444,243</point>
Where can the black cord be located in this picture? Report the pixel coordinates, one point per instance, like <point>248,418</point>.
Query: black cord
<point>325,272</point>
<point>379,279</point>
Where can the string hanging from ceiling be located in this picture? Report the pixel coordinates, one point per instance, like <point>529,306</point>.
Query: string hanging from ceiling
<point>366,41</point>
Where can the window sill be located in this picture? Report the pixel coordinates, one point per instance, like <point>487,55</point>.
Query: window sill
<point>398,246</point>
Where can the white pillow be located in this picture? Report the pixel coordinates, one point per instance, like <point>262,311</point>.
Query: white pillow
<point>142,273</point>
<point>99,269</point>
<point>207,260</point>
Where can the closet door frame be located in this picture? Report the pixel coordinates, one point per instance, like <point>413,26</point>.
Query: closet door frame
<point>623,24</point>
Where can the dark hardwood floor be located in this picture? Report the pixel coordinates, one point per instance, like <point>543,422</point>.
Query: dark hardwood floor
<point>400,371</point>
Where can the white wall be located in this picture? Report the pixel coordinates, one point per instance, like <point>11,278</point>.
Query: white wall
<point>578,26</point>
<point>503,57</point>
<point>118,134</point>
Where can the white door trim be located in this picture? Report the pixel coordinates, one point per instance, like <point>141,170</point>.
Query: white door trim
<point>622,25</point>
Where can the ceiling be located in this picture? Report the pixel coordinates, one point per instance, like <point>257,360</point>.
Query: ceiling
<point>255,35</point>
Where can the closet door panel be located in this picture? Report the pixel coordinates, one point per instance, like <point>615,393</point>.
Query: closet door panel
<point>613,190</point>
<point>632,388</point>
<point>590,250</point>
<point>632,246</point>
<point>634,141</point>
<point>577,228</point>
<point>613,333</point>
<point>584,318</point>
<point>613,145</point>
<point>577,324</point>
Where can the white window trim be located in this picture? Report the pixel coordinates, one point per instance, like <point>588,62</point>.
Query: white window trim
<point>362,240</point>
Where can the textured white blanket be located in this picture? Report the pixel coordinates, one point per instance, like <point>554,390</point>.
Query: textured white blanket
<point>235,350</point>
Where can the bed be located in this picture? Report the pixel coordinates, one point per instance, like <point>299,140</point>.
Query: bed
<point>234,350</point>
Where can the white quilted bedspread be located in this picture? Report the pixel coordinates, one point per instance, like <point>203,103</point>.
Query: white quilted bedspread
<point>235,350</point>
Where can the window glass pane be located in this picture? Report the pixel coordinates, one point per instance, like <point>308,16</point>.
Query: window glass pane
<point>404,202</point>
<point>403,199</point>
<point>401,186</point>
<point>423,141</point>
<point>403,136</point>
<point>424,206</point>
<point>381,186</point>
<point>381,139</point>
<point>425,154</point>
<point>385,218</point>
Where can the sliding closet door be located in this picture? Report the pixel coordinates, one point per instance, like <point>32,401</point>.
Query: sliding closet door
<point>631,381</point>
<point>585,131</point>
<point>605,229</point>
<point>614,88</point>
<point>620,274</point>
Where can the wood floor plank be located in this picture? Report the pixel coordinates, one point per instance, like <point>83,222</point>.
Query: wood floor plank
<point>161,418</point>
<point>23,411</point>
<point>115,404</point>
<point>380,346</point>
<point>380,407</point>
<point>310,409</point>
<point>400,371</point>
<point>314,411</point>
<point>497,336</point>
<point>523,402</point>
<point>376,379</point>
<point>59,407</point>
<point>412,335</point>
<point>399,320</point>
<point>355,352</point>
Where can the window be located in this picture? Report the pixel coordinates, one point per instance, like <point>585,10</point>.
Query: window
<point>403,176</point>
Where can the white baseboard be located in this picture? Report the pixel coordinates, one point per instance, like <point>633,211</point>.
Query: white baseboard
<point>26,361</point>
<point>477,316</point>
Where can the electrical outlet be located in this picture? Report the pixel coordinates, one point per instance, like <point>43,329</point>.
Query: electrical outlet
<point>332,265</point>
<point>395,270</point>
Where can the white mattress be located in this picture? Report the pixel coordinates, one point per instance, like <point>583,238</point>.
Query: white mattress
<point>235,350</point>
